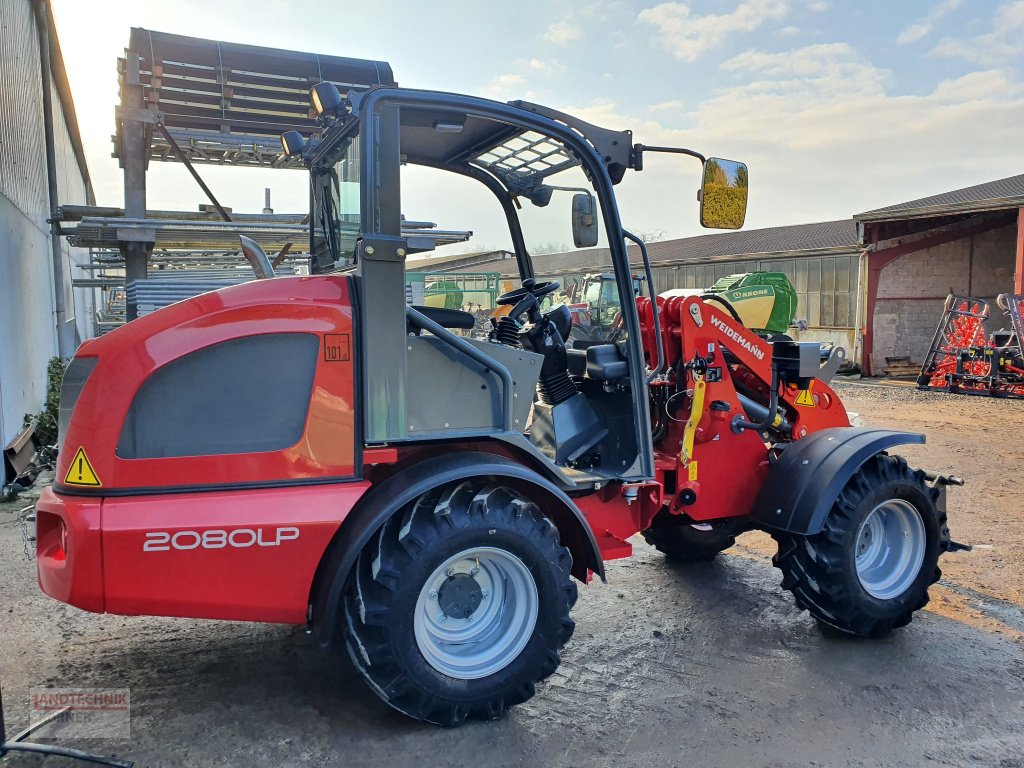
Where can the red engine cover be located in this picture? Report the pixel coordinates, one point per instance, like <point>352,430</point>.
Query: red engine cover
<point>121,534</point>
<point>128,356</point>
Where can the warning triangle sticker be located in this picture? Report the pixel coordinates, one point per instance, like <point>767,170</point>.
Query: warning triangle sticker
<point>81,472</point>
<point>804,398</point>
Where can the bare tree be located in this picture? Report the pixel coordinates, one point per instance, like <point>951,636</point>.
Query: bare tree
<point>652,236</point>
<point>540,249</point>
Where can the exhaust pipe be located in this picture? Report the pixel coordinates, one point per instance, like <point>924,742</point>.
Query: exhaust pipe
<point>257,258</point>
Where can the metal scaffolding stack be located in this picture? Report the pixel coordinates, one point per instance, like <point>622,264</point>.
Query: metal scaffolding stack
<point>194,252</point>
<point>225,103</point>
<point>197,101</point>
<point>94,227</point>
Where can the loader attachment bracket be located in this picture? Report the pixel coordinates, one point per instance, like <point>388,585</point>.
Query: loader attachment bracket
<point>939,483</point>
<point>831,366</point>
<point>808,475</point>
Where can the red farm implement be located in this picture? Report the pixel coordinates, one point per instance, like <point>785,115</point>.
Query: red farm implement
<point>963,358</point>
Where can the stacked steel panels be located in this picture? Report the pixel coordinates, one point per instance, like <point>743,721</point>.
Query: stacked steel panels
<point>227,103</point>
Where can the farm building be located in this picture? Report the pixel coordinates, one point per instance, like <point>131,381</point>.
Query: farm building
<point>821,260</point>
<point>969,241</point>
<point>41,162</point>
<point>886,272</point>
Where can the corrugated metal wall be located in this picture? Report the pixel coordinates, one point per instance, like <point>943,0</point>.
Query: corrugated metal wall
<point>27,333</point>
<point>22,155</point>
<point>826,286</point>
<point>79,304</point>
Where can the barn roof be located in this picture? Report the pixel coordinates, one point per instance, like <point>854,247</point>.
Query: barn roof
<point>818,238</point>
<point>990,196</point>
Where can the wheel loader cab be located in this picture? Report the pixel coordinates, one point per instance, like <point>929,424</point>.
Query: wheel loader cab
<point>580,412</point>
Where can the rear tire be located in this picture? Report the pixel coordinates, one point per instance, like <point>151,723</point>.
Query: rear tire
<point>680,542</point>
<point>869,569</point>
<point>460,605</point>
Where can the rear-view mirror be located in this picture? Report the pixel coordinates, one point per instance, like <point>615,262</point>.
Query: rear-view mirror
<point>584,220</point>
<point>723,194</point>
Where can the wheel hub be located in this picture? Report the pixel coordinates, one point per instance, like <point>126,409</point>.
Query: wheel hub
<point>890,548</point>
<point>459,596</point>
<point>476,612</point>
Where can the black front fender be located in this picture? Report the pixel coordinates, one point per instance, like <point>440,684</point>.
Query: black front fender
<point>804,482</point>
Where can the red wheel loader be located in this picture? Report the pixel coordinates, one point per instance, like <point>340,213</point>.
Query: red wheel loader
<point>311,450</point>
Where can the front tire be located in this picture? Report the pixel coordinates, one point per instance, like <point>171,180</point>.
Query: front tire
<point>460,605</point>
<point>869,569</point>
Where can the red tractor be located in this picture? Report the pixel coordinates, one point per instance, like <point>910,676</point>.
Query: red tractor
<point>311,450</point>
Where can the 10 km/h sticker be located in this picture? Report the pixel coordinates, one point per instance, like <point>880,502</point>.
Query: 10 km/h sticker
<point>81,472</point>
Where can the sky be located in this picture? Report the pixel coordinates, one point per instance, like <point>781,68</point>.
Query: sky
<point>836,107</point>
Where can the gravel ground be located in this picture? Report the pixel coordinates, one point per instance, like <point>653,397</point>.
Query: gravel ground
<point>708,665</point>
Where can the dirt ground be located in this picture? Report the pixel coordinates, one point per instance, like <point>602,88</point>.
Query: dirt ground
<point>708,666</point>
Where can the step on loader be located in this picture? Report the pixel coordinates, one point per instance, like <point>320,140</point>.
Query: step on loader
<point>311,450</point>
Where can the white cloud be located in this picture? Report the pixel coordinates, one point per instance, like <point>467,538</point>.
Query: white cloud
<point>562,33</point>
<point>1003,45</point>
<point>540,65</point>
<point>687,35</point>
<point>924,26</point>
<point>515,84</point>
<point>668,106</point>
<point>813,73</point>
<point>788,31</point>
<point>826,137</point>
<point>914,32</point>
<point>820,6</point>
<point>506,86</point>
<point>827,113</point>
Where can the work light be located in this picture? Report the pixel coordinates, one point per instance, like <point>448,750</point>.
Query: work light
<point>292,143</point>
<point>326,99</point>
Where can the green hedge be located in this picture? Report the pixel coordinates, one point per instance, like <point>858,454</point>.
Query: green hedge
<point>724,206</point>
<point>46,427</point>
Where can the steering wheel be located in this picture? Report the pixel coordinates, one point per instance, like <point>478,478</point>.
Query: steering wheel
<point>530,288</point>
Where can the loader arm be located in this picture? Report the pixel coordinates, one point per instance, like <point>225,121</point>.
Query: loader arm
<point>696,330</point>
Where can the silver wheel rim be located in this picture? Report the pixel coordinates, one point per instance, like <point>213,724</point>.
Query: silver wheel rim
<point>890,549</point>
<point>498,607</point>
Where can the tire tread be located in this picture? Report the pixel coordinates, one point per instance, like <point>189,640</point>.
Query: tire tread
<point>399,542</point>
<point>812,566</point>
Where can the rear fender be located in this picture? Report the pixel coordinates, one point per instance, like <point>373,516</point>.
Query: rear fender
<point>803,483</point>
<point>395,492</point>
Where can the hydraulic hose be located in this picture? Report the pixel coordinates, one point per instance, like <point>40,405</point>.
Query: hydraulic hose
<point>722,301</point>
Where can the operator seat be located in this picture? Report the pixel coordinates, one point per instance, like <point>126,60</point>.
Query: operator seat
<point>446,318</point>
<point>605,363</point>
<point>599,362</point>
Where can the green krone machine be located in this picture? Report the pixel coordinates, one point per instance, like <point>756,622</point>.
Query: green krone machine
<point>764,301</point>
